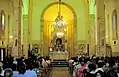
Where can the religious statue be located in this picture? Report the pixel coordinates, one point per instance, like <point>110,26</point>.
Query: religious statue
<point>59,45</point>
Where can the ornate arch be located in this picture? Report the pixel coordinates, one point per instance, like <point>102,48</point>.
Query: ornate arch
<point>63,3</point>
<point>42,19</point>
<point>114,25</point>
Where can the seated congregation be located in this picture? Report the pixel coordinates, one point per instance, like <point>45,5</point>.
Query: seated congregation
<point>21,67</point>
<point>84,66</point>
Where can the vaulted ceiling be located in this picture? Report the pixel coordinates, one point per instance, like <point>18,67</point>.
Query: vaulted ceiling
<point>26,5</point>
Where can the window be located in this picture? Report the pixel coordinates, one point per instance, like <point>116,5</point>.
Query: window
<point>114,25</point>
<point>2,21</point>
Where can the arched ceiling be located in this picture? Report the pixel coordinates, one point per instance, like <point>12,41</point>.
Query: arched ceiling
<point>52,12</point>
<point>26,2</point>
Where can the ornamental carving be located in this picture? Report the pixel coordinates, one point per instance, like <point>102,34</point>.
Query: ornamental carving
<point>82,47</point>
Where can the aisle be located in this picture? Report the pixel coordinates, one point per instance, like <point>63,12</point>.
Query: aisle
<point>60,72</point>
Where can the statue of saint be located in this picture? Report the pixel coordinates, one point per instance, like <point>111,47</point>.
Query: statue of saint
<point>59,44</point>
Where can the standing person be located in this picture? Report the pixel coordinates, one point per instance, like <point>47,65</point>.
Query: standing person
<point>70,64</point>
<point>81,69</point>
<point>45,66</point>
<point>79,56</point>
<point>78,65</point>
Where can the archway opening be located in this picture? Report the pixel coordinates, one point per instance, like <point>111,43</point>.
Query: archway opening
<point>51,34</point>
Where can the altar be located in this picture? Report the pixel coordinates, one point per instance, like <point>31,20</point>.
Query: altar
<point>58,42</point>
<point>59,55</point>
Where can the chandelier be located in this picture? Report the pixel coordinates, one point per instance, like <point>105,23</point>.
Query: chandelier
<point>59,22</point>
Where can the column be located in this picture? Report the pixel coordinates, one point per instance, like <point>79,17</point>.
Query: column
<point>25,33</point>
<point>16,52</point>
<point>92,35</point>
<point>100,9</point>
<point>30,22</point>
<point>19,27</point>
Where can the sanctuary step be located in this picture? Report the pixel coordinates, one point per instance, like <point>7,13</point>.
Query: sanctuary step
<point>60,63</point>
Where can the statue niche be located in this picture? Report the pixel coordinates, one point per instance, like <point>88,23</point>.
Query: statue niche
<point>59,45</point>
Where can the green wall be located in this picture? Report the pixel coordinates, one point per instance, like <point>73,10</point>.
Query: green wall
<point>79,6</point>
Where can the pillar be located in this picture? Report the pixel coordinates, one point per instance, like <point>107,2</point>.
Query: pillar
<point>16,52</point>
<point>19,28</point>
<point>92,35</point>
<point>101,41</point>
<point>30,23</point>
<point>25,33</point>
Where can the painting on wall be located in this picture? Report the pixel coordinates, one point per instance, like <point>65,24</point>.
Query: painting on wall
<point>82,48</point>
<point>35,49</point>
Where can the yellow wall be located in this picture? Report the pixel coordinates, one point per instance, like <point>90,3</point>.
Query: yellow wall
<point>110,5</point>
<point>4,4</point>
<point>50,16</point>
<point>79,6</point>
<point>10,8</point>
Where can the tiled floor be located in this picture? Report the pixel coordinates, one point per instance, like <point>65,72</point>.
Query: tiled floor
<point>60,72</point>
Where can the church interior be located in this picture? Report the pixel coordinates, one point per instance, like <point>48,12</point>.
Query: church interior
<point>59,29</point>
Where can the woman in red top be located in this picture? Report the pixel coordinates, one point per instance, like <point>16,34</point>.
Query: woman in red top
<point>81,69</point>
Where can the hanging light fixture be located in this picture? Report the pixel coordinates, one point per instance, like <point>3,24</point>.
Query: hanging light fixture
<point>59,22</point>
